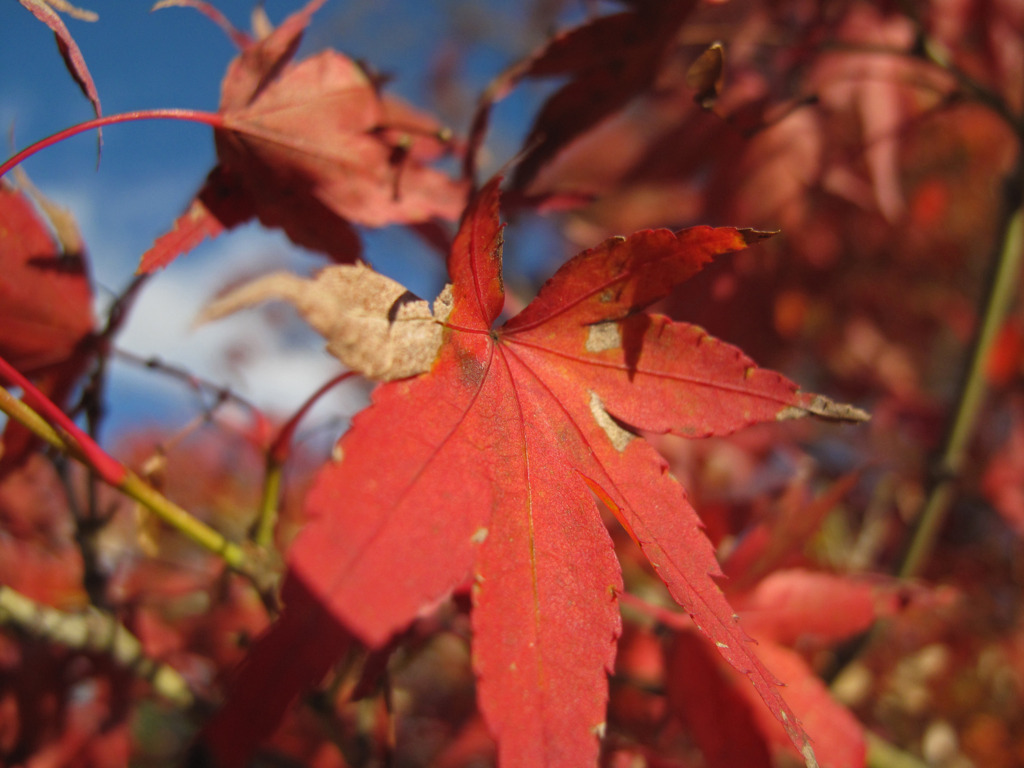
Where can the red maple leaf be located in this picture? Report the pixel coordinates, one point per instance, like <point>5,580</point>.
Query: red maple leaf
<point>789,609</point>
<point>311,147</point>
<point>731,727</point>
<point>69,50</point>
<point>609,61</point>
<point>45,306</point>
<point>45,299</point>
<point>488,465</point>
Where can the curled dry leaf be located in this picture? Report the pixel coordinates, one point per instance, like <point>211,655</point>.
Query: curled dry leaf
<point>371,322</point>
<point>824,408</point>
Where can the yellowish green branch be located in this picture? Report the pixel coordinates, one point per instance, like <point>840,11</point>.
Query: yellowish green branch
<point>96,632</point>
<point>263,533</point>
<point>1001,291</point>
<point>234,556</point>
<point>882,754</point>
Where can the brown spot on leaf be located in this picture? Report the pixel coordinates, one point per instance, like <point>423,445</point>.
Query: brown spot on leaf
<point>603,336</point>
<point>619,436</point>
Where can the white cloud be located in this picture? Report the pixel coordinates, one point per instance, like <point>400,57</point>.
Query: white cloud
<point>266,355</point>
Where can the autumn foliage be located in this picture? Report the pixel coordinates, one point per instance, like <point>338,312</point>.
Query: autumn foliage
<point>584,528</point>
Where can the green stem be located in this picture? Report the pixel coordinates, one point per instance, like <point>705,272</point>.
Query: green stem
<point>999,295</point>
<point>137,489</point>
<point>277,455</point>
<point>263,536</point>
<point>882,754</point>
<point>32,421</point>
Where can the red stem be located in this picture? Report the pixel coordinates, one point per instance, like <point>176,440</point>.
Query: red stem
<point>214,119</point>
<point>279,449</point>
<point>107,467</point>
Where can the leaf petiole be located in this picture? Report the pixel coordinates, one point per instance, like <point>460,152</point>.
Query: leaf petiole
<point>214,119</point>
<point>277,455</point>
<point>69,439</point>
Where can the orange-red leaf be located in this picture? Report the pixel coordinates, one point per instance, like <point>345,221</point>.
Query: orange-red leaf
<point>45,309</point>
<point>319,130</point>
<point>220,205</point>
<point>610,60</point>
<point>488,465</point>
<point>796,605</point>
<point>67,46</point>
<point>313,148</point>
<point>45,299</point>
<point>730,725</point>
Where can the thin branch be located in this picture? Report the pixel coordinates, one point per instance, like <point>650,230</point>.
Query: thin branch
<point>90,521</point>
<point>277,455</point>
<point>116,474</point>
<point>93,631</point>
<point>928,49</point>
<point>220,394</point>
<point>974,90</point>
<point>1000,291</point>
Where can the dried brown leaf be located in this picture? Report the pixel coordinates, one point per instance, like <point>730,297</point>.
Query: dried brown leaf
<point>371,322</point>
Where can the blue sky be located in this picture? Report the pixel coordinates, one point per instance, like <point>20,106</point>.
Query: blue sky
<point>150,170</point>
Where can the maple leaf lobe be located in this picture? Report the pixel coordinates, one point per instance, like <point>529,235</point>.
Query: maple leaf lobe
<point>475,262</point>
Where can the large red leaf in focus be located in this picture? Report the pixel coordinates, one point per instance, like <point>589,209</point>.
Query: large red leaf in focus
<point>45,308</point>
<point>313,148</point>
<point>488,465</point>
